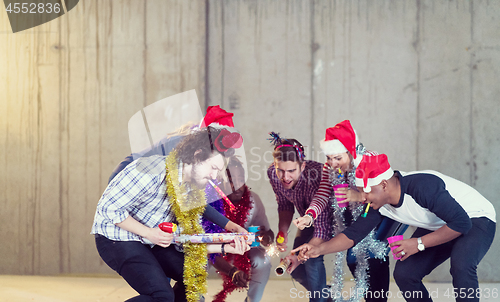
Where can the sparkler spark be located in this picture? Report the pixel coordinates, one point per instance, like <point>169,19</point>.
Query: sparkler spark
<point>272,251</point>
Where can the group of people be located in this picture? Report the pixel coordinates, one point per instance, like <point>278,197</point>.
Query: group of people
<point>185,178</point>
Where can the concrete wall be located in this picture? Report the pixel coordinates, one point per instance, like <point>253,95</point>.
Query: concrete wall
<point>417,79</point>
<point>68,89</point>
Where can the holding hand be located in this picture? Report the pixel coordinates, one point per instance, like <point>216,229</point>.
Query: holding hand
<point>349,195</point>
<point>266,237</point>
<point>239,246</point>
<point>159,237</point>
<point>238,277</point>
<point>305,221</point>
<point>294,262</point>
<point>281,241</point>
<point>235,228</point>
<point>407,247</point>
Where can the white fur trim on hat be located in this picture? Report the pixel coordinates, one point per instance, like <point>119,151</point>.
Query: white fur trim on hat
<point>219,126</point>
<point>357,138</point>
<point>335,146</point>
<point>374,181</point>
<point>357,160</point>
<point>332,147</point>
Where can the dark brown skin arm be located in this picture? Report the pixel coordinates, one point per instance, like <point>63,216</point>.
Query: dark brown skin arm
<point>337,244</point>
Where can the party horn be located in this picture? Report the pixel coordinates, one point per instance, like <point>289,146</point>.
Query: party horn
<point>249,238</point>
<point>282,267</point>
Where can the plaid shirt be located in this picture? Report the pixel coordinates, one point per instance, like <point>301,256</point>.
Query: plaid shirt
<point>138,191</point>
<point>301,196</point>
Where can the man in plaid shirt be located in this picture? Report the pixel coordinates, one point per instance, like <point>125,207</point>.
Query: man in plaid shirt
<point>295,182</point>
<point>136,202</point>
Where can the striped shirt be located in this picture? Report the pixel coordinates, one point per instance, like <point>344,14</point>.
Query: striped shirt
<point>322,198</point>
<point>301,196</point>
<point>138,191</point>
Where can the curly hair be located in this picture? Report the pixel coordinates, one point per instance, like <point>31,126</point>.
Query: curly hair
<point>200,140</point>
<point>289,153</point>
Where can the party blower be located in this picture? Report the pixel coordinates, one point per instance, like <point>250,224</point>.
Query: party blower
<point>282,267</point>
<point>169,227</point>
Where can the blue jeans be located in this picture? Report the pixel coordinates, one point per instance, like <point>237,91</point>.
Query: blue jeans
<point>465,253</point>
<point>261,268</point>
<point>146,269</point>
<point>311,274</point>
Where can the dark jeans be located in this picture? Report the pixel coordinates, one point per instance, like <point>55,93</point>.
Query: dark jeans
<point>465,253</point>
<point>145,269</point>
<point>311,274</point>
<point>378,279</point>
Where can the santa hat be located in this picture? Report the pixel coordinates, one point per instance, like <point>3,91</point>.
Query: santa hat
<point>340,138</point>
<point>372,170</point>
<point>217,117</point>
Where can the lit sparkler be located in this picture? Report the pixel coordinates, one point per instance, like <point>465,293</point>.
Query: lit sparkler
<point>272,251</point>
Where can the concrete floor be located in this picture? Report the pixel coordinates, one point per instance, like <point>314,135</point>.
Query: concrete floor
<point>114,289</point>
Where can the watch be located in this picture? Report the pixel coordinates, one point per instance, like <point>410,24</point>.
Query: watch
<point>420,246</point>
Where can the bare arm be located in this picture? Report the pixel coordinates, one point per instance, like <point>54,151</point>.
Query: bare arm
<point>285,219</point>
<point>222,265</point>
<point>409,246</point>
<point>316,241</point>
<point>440,236</point>
<point>339,243</point>
<point>234,228</point>
<point>238,246</point>
<point>238,277</point>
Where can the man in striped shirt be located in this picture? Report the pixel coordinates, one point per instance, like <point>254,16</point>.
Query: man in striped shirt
<point>295,182</point>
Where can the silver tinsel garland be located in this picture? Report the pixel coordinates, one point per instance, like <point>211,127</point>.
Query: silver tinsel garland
<point>360,250</point>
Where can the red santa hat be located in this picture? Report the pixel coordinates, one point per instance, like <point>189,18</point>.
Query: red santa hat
<point>217,117</point>
<point>372,170</point>
<point>340,138</point>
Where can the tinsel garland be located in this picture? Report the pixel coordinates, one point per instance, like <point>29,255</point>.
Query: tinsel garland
<point>188,203</point>
<point>360,250</point>
<point>242,262</point>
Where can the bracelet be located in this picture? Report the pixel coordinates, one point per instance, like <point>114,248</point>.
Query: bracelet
<point>222,250</point>
<point>234,274</point>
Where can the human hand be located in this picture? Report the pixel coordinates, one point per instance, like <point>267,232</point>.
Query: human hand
<point>238,246</point>
<point>159,237</point>
<point>307,251</point>
<point>349,195</point>
<point>235,228</point>
<point>265,237</point>
<point>241,230</point>
<point>239,278</point>
<point>303,222</point>
<point>407,247</point>
<point>294,262</point>
<point>281,241</point>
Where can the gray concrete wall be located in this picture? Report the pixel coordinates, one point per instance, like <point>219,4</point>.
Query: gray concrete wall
<point>68,89</point>
<point>418,80</point>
